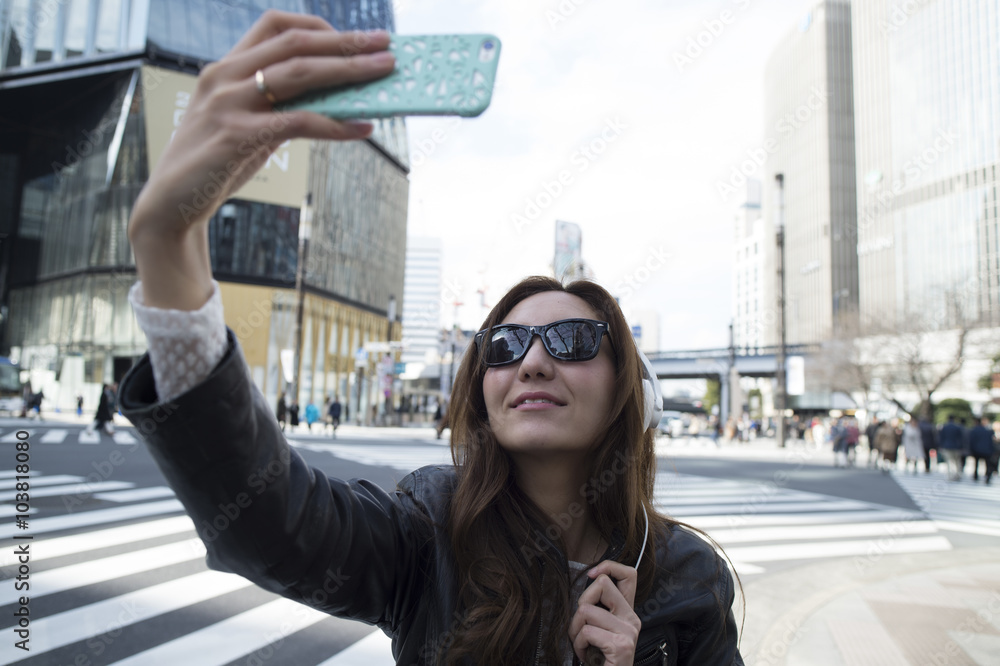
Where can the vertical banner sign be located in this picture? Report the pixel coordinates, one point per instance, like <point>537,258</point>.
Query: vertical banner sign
<point>566,263</point>
<point>795,373</point>
<point>282,180</point>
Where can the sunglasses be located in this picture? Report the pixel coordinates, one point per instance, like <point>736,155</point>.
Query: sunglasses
<point>566,340</point>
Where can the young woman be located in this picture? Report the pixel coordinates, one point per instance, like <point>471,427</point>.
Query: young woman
<point>539,546</point>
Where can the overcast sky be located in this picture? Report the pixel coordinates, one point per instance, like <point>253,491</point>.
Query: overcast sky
<point>675,122</point>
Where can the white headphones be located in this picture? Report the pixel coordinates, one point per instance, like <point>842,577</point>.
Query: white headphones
<point>652,395</point>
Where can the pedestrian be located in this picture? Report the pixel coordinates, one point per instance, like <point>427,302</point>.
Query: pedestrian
<point>873,452</point>
<point>838,437</point>
<point>35,405</point>
<point>853,435</point>
<point>913,445</point>
<point>541,544</point>
<point>104,416</point>
<point>966,448</point>
<point>950,441</point>
<point>79,405</point>
<point>981,447</point>
<point>888,445</point>
<point>282,411</point>
<point>438,419</point>
<point>929,437</point>
<point>293,415</point>
<point>312,415</point>
<point>334,413</point>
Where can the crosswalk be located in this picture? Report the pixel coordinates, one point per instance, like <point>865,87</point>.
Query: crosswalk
<point>74,436</point>
<point>962,506</point>
<point>124,582</point>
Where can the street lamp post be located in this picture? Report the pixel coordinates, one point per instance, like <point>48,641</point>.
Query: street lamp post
<point>781,392</point>
<point>391,409</point>
<point>305,230</point>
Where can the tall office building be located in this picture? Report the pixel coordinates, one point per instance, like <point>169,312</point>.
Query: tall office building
<point>750,310</point>
<point>927,104</point>
<point>422,294</point>
<point>809,111</point>
<point>90,93</point>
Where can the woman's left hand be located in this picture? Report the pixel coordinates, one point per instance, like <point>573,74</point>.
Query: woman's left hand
<point>605,618</point>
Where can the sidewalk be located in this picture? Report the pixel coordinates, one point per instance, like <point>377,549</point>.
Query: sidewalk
<point>347,430</point>
<point>891,610</point>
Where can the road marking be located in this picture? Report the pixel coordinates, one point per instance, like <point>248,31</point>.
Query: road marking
<point>245,633</point>
<point>89,437</point>
<point>42,481</point>
<point>81,489</point>
<point>136,494</point>
<point>820,532</point>
<point>8,510</point>
<point>768,506</point>
<point>87,518</point>
<point>10,474</point>
<point>372,650</point>
<point>124,438</point>
<point>829,549</point>
<point>54,436</point>
<point>44,549</point>
<point>107,568</point>
<point>106,618</point>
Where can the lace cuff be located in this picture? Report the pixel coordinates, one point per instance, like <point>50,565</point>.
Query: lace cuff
<point>184,346</point>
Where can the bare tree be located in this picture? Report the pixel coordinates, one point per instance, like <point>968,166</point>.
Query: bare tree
<point>918,355</point>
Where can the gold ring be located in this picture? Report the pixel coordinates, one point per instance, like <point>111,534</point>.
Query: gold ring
<point>263,88</point>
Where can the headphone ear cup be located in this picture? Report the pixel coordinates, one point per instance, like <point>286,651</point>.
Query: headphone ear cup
<point>652,396</point>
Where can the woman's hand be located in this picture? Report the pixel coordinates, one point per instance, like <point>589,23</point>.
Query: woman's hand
<point>605,618</point>
<point>228,132</point>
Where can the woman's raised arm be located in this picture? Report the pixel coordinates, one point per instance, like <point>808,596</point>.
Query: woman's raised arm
<point>228,132</point>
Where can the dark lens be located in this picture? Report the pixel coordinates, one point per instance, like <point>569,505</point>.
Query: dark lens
<point>572,340</point>
<point>506,344</point>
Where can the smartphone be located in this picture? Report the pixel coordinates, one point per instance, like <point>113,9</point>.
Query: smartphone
<point>435,75</point>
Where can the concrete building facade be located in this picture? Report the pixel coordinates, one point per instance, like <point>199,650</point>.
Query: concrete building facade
<point>90,93</point>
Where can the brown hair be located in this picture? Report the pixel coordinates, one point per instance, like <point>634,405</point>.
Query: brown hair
<point>505,566</point>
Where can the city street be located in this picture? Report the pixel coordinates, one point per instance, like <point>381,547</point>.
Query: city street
<point>117,575</point>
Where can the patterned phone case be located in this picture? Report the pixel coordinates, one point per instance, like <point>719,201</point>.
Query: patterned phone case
<point>435,75</point>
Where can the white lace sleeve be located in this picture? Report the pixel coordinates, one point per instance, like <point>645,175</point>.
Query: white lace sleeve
<point>184,347</point>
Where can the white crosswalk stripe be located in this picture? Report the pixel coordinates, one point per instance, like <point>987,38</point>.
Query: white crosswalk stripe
<point>54,436</point>
<point>404,458</point>
<point>124,566</point>
<point>964,506</point>
<point>787,524</point>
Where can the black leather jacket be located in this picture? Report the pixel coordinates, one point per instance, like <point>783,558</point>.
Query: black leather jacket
<point>353,550</point>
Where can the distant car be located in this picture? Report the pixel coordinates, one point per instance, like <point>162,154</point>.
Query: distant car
<point>671,424</point>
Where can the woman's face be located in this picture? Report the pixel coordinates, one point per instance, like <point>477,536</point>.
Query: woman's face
<point>576,395</point>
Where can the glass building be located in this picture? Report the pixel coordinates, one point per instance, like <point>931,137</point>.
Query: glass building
<point>927,104</point>
<point>749,275</point>
<point>809,115</point>
<point>90,93</point>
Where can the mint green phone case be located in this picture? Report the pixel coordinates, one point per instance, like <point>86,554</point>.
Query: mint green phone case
<point>435,75</point>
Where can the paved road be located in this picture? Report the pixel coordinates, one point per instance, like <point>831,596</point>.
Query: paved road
<point>118,576</point>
